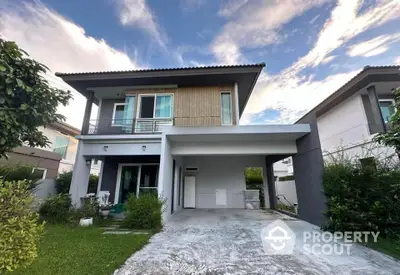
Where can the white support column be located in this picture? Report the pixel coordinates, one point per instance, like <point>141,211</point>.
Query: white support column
<point>80,177</point>
<point>100,176</point>
<point>236,92</point>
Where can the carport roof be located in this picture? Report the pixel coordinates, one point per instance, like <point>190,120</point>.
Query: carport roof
<point>238,133</point>
<point>244,75</point>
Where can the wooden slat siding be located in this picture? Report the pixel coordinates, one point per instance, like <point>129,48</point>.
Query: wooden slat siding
<point>194,106</point>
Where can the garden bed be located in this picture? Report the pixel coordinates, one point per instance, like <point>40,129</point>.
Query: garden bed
<point>76,250</point>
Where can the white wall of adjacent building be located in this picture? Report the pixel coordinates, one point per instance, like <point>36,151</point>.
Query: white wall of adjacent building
<point>344,129</point>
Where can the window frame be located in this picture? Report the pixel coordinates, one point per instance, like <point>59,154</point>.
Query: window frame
<point>66,150</point>
<point>154,106</point>
<point>42,169</point>
<point>113,115</point>
<point>230,102</point>
<point>386,100</point>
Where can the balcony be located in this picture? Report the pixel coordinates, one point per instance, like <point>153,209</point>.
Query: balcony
<point>127,127</point>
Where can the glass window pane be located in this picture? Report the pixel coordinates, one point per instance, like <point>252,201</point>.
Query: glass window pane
<point>61,146</point>
<point>149,176</point>
<point>147,107</point>
<point>118,114</point>
<point>164,106</point>
<point>387,109</point>
<point>226,107</point>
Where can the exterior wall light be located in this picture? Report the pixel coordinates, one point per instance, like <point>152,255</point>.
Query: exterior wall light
<point>144,147</point>
<point>88,162</point>
<point>105,148</point>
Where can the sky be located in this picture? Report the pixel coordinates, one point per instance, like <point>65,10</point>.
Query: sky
<point>310,47</point>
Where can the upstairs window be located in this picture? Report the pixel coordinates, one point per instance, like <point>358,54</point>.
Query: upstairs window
<point>118,114</point>
<point>226,108</point>
<point>155,106</point>
<point>61,146</point>
<point>387,108</point>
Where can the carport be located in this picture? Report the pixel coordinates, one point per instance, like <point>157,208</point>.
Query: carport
<point>203,167</point>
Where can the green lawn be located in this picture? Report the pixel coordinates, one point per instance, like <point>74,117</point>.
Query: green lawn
<point>389,247</point>
<point>76,250</point>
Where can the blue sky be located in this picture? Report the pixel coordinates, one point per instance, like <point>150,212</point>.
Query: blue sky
<point>310,47</point>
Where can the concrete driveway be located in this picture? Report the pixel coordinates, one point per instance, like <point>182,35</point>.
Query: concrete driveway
<point>229,242</point>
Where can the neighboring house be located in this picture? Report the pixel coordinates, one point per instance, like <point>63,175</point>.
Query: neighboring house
<point>283,167</point>
<point>63,142</point>
<point>349,118</point>
<point>175,133</point>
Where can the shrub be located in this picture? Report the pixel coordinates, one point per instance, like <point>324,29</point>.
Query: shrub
<point>90,208</point>
<point>143,212</point>
<point>63,182</point>
<point>19,227</point>
<point>16,172</point>
<point>362,197</point>
<point>56,209</point>
<point>286,178</point>
<point>254,180</point>
<point>93,181</point>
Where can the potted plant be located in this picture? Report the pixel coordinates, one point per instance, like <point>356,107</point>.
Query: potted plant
<point>105,209</point>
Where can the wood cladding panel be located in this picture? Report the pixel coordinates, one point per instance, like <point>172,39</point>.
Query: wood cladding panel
<point>195,106</point>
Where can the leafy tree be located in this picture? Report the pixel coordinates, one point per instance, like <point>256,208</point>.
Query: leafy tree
<point>392,137</point>
<point>26,99</point>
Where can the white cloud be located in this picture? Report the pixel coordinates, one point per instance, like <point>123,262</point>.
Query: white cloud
<point>257,24</point>
<point>375,46</point>
<point>136,13</point>
<point>397,60</point>
<point>191,5</point>
<point>328,59</point>
<point>293,93</point>
<point>61,45</point>
<point>231,7</point>
<point>315,18</point>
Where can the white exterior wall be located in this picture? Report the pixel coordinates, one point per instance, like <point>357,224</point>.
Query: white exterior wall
<point>344,129</point>
<point>165,177</point>
<point>287,189</point>
<point>221,172</point>
<point>66,164</point>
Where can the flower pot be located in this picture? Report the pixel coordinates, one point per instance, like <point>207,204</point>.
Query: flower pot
<point>105,213</point>
<point>86,221</point>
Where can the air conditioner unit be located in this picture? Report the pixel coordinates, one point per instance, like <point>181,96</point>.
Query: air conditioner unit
<point>191,169</point>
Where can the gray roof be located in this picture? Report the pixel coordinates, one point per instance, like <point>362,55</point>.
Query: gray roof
<point>368,75</point>
<point>244,75</point>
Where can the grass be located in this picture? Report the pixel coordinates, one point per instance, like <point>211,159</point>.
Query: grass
<point>285,207</point>
<point>388,246</point>
<point>75,250</point>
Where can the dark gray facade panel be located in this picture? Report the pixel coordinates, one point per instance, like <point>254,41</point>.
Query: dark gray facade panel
<point>270,182</point>
<point>308,167</point>
<point>110,170</point>
<point>376,111</point>
<point>105,118</point>
<point>373,128</point>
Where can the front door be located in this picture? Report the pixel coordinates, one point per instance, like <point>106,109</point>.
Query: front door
<point>129,182</point>
<point>189,192</point>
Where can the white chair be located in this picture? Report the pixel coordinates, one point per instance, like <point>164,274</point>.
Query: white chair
<point>103,198</point>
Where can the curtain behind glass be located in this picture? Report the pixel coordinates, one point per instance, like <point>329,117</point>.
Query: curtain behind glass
<point>163,106</point>
<point>226,108</point>
<point>129,111</point>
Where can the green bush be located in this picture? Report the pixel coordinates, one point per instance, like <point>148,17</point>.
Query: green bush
<point>254,180</point>
<point>90,208</point>
<point>285,207</point>
<point>63,182</point>
<point>93,181</point>
<point>362,197</point>
<point>286,178</point>
<point>19,227</point>
<point>143,212</point>
<point>56,209</point>
<point>16,172</point>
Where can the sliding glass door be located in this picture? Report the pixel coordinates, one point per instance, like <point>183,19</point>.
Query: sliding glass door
<point>137,179</point>
<point>153,111</point>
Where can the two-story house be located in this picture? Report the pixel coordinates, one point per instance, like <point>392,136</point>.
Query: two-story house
<point>175,133</point>
<point>349,118</point>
